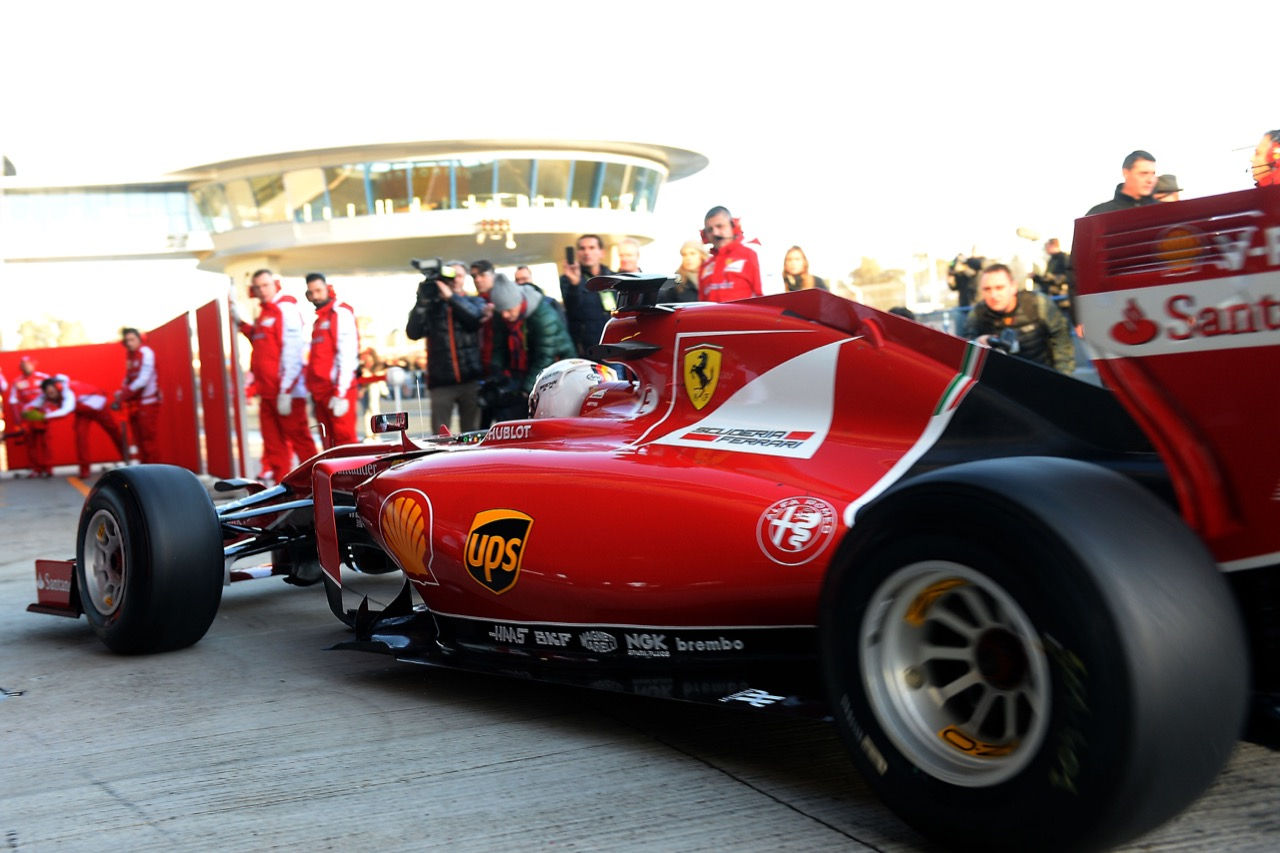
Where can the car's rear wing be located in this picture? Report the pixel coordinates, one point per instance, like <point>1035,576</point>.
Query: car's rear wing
<point>1180,305</point>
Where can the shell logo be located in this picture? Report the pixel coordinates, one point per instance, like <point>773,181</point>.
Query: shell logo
<point>1179,248</point>
<point>405,523</point>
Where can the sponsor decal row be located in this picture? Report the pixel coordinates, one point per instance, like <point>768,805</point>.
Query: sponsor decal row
<point>639,643</point>
<point>792,531</point>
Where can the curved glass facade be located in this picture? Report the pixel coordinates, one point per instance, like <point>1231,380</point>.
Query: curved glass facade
<point>412,186</point>
<point>133,216</point>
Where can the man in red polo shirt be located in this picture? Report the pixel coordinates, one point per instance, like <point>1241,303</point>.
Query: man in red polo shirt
<point>24,403</point>
<point>140,393</point>
<point>332,365</point>
<point>733,270</point>
<point>276,364</point>
<point>63,396</point>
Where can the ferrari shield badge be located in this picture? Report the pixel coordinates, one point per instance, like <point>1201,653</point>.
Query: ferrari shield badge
<point>495,548</point>
<point>701,374</point>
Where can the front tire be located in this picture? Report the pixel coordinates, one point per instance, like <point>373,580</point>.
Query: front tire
<point>1032,654</point>
<point>149,564</point>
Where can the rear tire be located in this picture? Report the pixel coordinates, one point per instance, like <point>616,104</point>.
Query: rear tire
<point>149,566</point>
<point>1032,654</point>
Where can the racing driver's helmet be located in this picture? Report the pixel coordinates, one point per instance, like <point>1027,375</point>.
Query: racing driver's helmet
<point>561,388</point>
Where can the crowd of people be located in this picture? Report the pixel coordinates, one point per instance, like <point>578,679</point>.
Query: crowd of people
<point>487,336</point>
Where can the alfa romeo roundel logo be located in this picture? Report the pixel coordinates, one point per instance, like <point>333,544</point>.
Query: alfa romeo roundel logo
<point>793,531</point>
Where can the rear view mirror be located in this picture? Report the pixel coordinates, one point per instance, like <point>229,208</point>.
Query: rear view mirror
<point>392,422</point>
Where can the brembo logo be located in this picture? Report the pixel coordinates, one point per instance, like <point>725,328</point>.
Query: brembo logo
<point>495,548</point>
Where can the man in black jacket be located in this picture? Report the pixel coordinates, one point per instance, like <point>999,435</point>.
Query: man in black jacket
<point>450,321</point>
<point>1139,172</point>
<point>586,312</point>
<point>1025,323</point>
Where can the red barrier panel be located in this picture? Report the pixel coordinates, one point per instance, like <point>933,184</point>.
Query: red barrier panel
<point>97,364</point>
<point>178,441</point>
<point>213,391</point>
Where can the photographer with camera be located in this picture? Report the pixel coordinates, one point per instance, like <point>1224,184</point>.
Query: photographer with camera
<point>529,334</point>
<point>1023,323</point>
<point>450,321</point>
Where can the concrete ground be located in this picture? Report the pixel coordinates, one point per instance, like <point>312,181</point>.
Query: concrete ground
<point>258,738</point>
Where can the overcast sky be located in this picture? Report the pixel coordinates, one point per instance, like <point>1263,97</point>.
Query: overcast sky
<point>925,127</point>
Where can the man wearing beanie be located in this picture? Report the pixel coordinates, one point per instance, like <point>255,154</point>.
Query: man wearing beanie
<point>529,334</point>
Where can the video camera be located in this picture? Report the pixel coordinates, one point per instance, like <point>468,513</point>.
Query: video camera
<point>433,270</point>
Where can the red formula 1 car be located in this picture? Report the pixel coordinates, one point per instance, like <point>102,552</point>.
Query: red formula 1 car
<point>1028,603</point>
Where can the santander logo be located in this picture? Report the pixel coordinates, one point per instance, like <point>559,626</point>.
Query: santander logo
<point>1135,328</point>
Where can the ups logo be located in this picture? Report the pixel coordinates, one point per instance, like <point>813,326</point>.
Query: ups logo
<point>495,548</point>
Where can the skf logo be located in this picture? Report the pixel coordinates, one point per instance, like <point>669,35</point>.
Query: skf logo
<point>406,529</point>
<point>495,548</point>
<point>701,374</point>
<point>1135,328</point>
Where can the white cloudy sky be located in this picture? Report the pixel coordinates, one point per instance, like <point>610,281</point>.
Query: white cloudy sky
<point>922,127</point>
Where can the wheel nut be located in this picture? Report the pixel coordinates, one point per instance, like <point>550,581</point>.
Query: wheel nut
<point>913,677</point>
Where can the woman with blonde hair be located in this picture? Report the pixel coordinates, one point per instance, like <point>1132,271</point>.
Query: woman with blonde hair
<point>795,272</point>
<point>692,257</point>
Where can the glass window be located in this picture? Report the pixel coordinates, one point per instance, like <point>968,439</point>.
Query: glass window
<point>346,190</point>
<point>244,210</point>
<point>475,182</point>
<point>553,183</point>
<point>390,185</point>
<point>211,201</point>
<point>513,182</point>
<point>429,186</point>
<point>305,190</point>
<point>613,189</point>
<point>584,179</point>
<point>268,193</point>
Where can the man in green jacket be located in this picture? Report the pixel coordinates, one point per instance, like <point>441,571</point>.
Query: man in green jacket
<point>1026,322</point>
<point>529,334</point>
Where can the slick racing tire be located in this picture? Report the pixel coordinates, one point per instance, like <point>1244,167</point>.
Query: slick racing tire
<point>149,567</point>
<point>1031,654</point>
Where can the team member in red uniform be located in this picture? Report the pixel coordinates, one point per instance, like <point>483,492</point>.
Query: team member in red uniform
<point>276,364</point>
<point>140,393</point>
<point>63,396</point>
<point>1265,163</point>
<point>332,365</point>
<point>24,405</point>
<point>733,270</point>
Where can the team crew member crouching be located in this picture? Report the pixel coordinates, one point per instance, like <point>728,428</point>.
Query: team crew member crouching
<point>334,360</point>
<point>140,393</point>
<point>64,396</point>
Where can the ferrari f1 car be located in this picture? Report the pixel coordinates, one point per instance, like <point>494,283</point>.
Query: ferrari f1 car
<point>1038,610</point>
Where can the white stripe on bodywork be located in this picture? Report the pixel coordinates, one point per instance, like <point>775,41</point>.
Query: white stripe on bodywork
<point>948,405</point>
<point>1245,563</point>
<point>795,396</point>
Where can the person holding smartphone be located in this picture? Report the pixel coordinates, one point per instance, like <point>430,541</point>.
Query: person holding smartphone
<point>585,311</point>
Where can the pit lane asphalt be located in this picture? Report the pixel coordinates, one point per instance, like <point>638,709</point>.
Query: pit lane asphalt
<point>258,738</point>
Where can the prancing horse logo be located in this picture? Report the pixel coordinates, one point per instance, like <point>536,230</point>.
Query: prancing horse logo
<point>701,374</point>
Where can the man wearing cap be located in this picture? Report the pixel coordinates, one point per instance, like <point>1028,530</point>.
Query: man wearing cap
<point>1139,173</point>
<point>333,362</point>
<point>276,364</point>
<point>1167,188</point>
<point>585,311</point>
<point>529,334</point>
<point>451,322</point>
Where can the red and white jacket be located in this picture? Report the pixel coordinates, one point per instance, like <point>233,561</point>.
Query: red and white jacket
<point>276,361</point>
<point>74,394</point>
<point>140,385</point>
<point>335,347</point>
<point>25,392</point>
<point>732,272</point>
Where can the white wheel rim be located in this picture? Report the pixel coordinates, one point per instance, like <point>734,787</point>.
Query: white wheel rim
<point>105,563</point>
<point>955,673</point>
